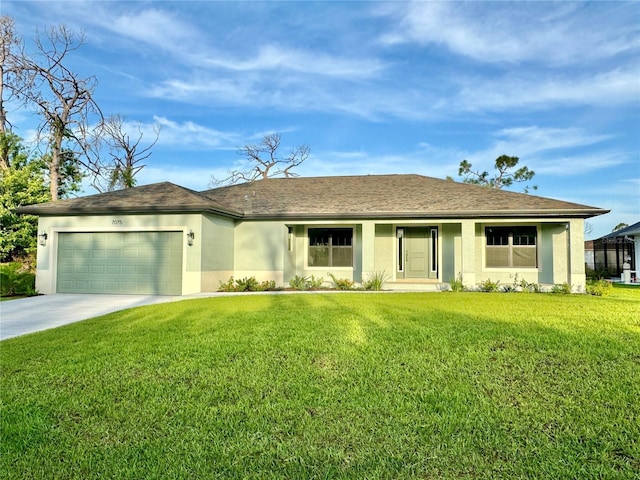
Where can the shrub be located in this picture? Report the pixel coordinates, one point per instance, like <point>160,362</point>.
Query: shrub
<point>306,283</point>
<point>315,283</point>
<point>246,284</point>
<point>597,274</point>
<point>266,286</point>
<point>529,287</point>
<point>375,281</point>
<point>228,286</point>
<point>342,283</point>
<point>599,287</point>
<point>457,285</point>
<point>563,288</point>
<point>299,283</point>
<point>489,286</point>
<point>15,280</point>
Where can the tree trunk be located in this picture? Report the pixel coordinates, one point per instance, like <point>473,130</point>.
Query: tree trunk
<point>54,168</point>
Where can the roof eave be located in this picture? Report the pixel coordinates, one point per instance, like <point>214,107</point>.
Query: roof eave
<point>578,213</point>
<point>73,211</point>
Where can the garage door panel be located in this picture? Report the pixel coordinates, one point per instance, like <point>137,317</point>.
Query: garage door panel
<point>120,262</point>
<point>113,270</point>
<point>129,254</point>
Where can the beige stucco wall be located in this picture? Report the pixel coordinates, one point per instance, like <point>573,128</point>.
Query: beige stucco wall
<point>47,255</point>
<point>218,236</point>
<point>560,253</point>
<point>385,249</point>
<point>263,249</point>
<point>259,250</point>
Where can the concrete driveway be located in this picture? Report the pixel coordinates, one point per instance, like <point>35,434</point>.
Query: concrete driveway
<point>33,314</point>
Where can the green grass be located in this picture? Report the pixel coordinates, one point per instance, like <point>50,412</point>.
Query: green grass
<point>356,385</point>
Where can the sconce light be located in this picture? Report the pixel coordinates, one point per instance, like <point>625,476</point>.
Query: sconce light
<point>42,238</point>
<point>190,237</point>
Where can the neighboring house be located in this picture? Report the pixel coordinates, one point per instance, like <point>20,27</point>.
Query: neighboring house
<point>611,251</point>
<point>421,231</point>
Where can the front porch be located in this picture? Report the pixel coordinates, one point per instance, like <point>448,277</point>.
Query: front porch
<point>415,285</point>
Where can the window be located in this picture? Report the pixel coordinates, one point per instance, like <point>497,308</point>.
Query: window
<point>511,247</point>
<point>330,247</point>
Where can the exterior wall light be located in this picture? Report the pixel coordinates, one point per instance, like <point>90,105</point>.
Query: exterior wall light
<point>42,238</point>
<point>190,237</point>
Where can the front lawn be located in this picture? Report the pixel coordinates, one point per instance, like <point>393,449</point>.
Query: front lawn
<point>354,385</point>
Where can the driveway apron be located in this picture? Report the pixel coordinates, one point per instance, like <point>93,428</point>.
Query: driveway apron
<point>33,314</point>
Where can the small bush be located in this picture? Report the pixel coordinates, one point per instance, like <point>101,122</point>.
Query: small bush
<point>375,281</point>
<point>16,280</point>
<point>315,283</point>
<point>228,286</point>
<point>599,287</point>
<point>489,286</point>
<point>266,286</point>
<point>246,284</point>
<point>306,283</point>
<point>597,274</point>
<point>299,283</point>
<point>530,287</point>
<point>562,288</point>
<point>457,284</point>
<point>342,283</point>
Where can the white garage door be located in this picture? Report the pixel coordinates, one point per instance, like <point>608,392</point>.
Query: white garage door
<point>120,262</point>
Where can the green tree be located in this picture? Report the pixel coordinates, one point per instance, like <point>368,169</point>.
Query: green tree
<point>620,226</point>
<point>22,182</point>
<point>505,175</point>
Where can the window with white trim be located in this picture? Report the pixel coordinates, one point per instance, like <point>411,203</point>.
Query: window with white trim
<point>511,247</point>
<point>330,247</point>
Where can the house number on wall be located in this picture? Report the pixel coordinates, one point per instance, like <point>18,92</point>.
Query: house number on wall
<point>117,221</point>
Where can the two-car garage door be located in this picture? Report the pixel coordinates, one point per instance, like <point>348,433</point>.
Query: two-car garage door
<point>120,262</point>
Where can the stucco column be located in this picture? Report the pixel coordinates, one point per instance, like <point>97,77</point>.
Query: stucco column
<point>468,261</point>
<point>368,249</point>
<point>577,277</point>
<point>636,245</point>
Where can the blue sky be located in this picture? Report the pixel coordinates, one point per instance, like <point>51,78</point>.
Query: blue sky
<point>371,87</point>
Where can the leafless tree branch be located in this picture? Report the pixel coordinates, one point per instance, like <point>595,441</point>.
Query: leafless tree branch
<point>265,162</point>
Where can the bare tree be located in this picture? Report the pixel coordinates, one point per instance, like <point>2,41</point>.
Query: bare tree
<point>10,73</point>
<point>126,155</point>
<point>504,177</point>
<point>64,99</point>
<point>266,162</point>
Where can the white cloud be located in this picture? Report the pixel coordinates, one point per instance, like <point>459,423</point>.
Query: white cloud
<point>273,57</point>
<point>189,135</point>
<point>535,139</point>
<point>195,178</point>
<point>151,26</point>
<point>538,91</point>
<point>579,164</point>
<point>550,151</point>
<point>516,32</point>
<point>423,160</point>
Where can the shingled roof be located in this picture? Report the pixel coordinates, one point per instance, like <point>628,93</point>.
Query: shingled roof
<point>385,196</point>
<point>164,197</point>
<point>371,196</point>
